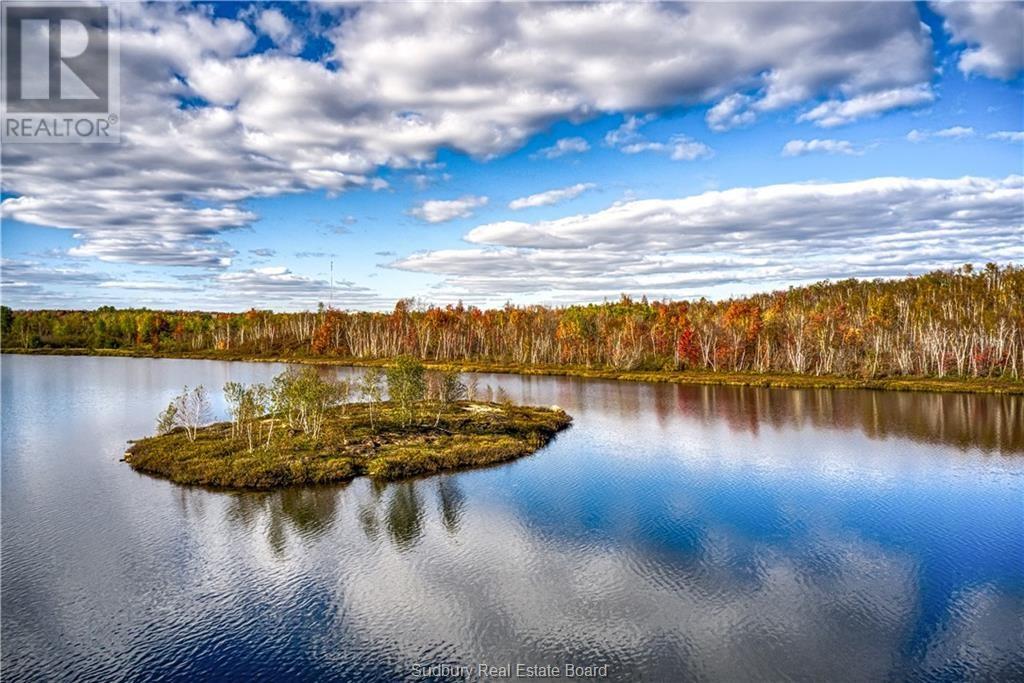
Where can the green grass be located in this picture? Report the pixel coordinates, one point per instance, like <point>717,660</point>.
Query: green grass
<point>467,435</point>
<point>977,385</point>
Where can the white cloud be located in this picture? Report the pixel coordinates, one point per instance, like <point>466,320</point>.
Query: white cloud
<point>757,236</point>
<point>153,285</point>
<point>993,33</point>
<point>894,69</point>
<point>954,133</point>
<point>277,26</point>
<point>679,148</point>
<point>278,286</point>
<point>1007,135</point>
<point>682,148</point>
<point>564,146</point>
<point>795,148</point>
<point>731,112</point>
<point>644,146</point>
<point>441,210</point>
<point>628,130</point>
<point>839,112</point>
<point>28,283</point>
<point>629,140</point>
<point>550,197</point>
<point>209,125</point>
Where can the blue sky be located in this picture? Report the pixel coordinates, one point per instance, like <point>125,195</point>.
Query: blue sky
<point>707,150</point>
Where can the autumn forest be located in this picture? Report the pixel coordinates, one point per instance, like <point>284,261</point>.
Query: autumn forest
<point>967,322</point>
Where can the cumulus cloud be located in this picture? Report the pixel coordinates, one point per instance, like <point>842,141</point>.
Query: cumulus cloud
<point>954,133</point>
<point>279,287</point>
<point>679,148</point>
<point>21,273</point>
<point>628,139</point>
<point>29,283</point>
<point>682,148</point>
<point>836,112</point>
<point>1007,135</point>
<point>731,112</point>
<point>897,75</point>
<point>208,124</point>
<point>550,197</point>
<point>628,131</point>
<point>562,147</point>
<point>753,235</point>
<point>795,148</point>
<point>33,284</point>
<point>992,32</point>
<point>441,210</point>
<point>150,285</point>
<point>279,29</point>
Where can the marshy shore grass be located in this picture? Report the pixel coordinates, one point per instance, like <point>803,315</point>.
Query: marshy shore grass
<point>357,439</point>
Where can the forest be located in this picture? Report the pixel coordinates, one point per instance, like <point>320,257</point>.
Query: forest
<point>967,322</point>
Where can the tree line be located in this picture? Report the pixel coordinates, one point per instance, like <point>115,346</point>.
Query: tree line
<point>300,399</point>
<point>966,322</point>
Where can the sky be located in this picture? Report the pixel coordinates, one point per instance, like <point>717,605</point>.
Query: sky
<point>279,155</point>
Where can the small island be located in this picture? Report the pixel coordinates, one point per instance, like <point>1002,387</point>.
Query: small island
<point>304,429</point>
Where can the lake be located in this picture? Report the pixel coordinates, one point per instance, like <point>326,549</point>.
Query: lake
<point>672,533</point>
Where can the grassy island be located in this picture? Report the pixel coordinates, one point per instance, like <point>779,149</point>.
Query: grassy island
<point>314,436</point>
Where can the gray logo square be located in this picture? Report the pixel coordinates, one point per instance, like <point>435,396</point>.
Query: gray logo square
<point>60,78</point>
<point>57,59</point>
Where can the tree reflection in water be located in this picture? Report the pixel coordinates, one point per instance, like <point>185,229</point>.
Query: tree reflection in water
<point>308,513</point>
<point>451,500</point>
<point>963,420</point>
<point>397,510</point>
<point>404,515</point>
<point>404,511</point>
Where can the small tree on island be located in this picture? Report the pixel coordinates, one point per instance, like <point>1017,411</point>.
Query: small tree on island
<point>449,390</point>
<point>503,397</point>
<point>247,405</point>
<point>188,410</point>
<point>371,389</point>
<point>406,386</point>
<point>303,397</point>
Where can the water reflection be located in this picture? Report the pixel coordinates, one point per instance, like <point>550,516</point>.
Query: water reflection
<point>985,422</point>
<point>451,500</point>
<point>400,510</point>
<point>674,533</point>
<point>404,515</point>
<point>305,513</point>
<point>962,420</point>
<point>993,423</point>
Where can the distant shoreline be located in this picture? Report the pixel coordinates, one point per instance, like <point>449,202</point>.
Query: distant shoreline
<point>980,385</point>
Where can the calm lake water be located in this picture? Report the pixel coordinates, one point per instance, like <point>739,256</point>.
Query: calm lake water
<point>673,533</point>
